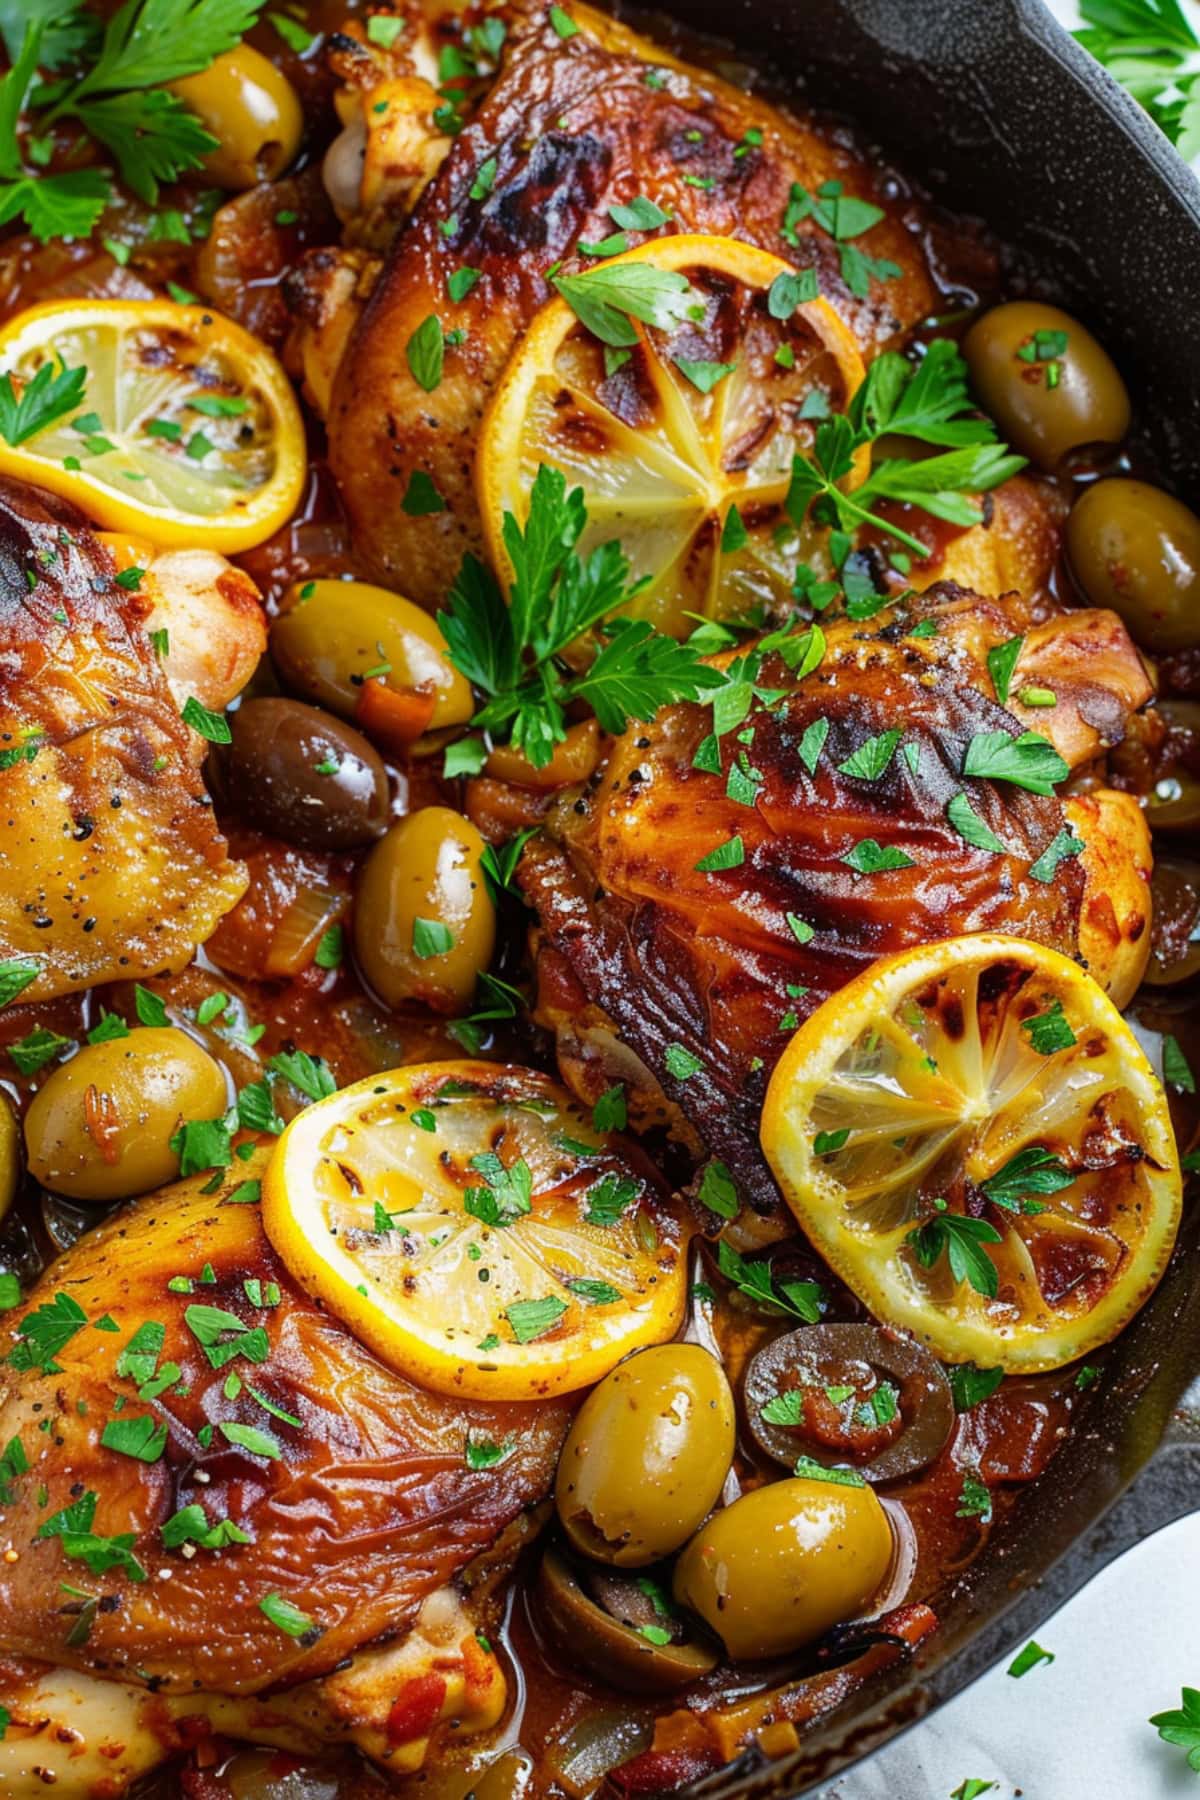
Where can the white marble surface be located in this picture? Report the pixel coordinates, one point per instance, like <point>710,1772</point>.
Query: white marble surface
<point>1074,1729</point>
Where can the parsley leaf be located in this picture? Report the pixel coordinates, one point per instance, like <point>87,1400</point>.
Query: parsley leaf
<point>606,299</point>
<point>1029,761</point>
<point>970,1385</point>
<point>962,1241</point>
<point>1182,1726</point>
<point>48,397</point>
<point>1029,1658</point>
<point>1034,1170</point>
<point>532,1319</point>
<point>803,1299</point>
<point>1049,1031</point>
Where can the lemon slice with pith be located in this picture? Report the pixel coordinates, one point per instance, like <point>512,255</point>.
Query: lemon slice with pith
<point>683,443</point>
<point>188,431</point>
<point>466,1221</point>
<point>972,1136</point>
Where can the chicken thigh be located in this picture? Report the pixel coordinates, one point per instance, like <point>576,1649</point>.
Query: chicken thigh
<point>644,950</point>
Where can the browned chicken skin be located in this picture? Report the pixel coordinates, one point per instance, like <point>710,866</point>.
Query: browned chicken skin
<point>573,128</point>
<point>709,960</point>
<point>109,854</point>
<point>369,1508</point>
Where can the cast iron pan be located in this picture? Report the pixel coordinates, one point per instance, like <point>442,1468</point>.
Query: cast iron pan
<point>992,107</point>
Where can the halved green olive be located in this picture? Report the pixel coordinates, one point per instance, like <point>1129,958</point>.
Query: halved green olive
<point>1137,549</point>
<point>785,1563</point>
<point>849,1394</point>
<point>621,1629</point>
<point>647,1455</point>
<point>1175,893</point>
<point>1049,385</point>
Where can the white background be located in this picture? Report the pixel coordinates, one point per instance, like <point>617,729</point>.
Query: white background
<point>1074,1729</point>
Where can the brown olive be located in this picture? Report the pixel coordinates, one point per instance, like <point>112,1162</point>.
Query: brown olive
<point>1173,804</point>
<point>785,1563</point>
<point>424,922</point>
<point>1175,887</point>
<point>304,776</point>
<point>344,644</point>
<point>850,1394</point>
<point>618,1628</point>
<point>1049,385</point>
<point>252,110</point>
<point>100,1127</point>
<point>647,1455</point>
<point>1137,549</point>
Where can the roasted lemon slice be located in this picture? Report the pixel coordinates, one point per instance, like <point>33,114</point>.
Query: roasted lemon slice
<point>683,442</point>
<point>971,1135</point>
<point>188,432</point>
<point>467,1223</point>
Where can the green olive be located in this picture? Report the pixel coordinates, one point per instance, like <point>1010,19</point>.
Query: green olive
<point>1050,387</point>
<point>336,635</point>
<point>252,110</point>
<point>647,1456</point>
<point>10,1156</point>
<point>424,922</point>
<point>100,1127</point>
<point>1137,549</point>
<point>785,1563</point>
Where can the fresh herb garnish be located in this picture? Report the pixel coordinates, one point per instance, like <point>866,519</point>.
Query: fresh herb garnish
<point>962,1241</point>
<point>803,1299</point>
<point>1150,47</point>
<point>1181,1726</point>
<point>1029,1658</point>
<point>512,653</point>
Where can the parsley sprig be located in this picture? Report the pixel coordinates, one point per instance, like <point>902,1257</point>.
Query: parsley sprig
<point>1151,48</point>
<point>513,653</point>
<point>115,88</point>
<point>929,403</point>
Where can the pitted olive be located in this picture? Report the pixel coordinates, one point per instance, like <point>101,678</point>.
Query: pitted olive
<point>647,1455</point>
<point>785,1563</point>
<point>304,776</point>
<point>1049,385</point>
<point>336,637</point>
<point>252,110</point>
<point>100,1127</point>
<point>849,1394</point>
<point>623,1630</point>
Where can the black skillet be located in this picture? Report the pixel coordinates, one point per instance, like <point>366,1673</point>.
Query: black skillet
<point>993,107</point>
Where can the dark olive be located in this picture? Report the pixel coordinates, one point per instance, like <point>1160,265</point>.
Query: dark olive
<point>1173,804</point>
<point>1175,887</point>
<point>614,1625</point>
<point>304,776</point>
<point>857,1395</point>
<point>1050,387</point>
<point>1137,549</point>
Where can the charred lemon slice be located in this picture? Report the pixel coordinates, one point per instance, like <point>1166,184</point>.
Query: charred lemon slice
<point>971,1135</point>
<point>682,442</point>
<point>187,431</point>
<point>467,1223</point>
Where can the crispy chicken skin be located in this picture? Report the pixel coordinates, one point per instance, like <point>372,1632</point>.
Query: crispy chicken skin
<point>110,861</point>
<point>670,954</point>
<point>573,128</point>
<point>367,1511</point>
